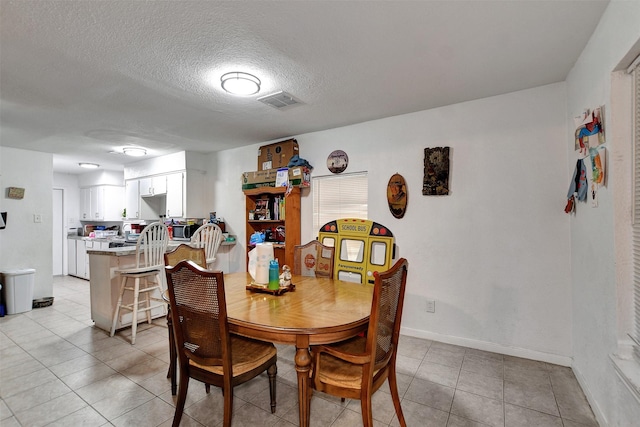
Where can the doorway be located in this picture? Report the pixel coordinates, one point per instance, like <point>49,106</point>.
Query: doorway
<point>58,232</point>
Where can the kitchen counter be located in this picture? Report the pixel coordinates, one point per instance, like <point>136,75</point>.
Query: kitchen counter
<point>105,282</point>
<point>104,285</point>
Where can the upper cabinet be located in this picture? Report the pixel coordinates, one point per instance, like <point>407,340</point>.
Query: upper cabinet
<point>132,199</point>
<point>101,203</point>
<point>174,195</point>
<point>153,186</point>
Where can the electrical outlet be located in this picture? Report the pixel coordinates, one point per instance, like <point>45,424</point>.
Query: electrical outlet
<point>37,218</point>
<point>431,306</point>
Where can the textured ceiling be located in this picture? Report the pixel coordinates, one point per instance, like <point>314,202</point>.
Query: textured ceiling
<point>82,78</point>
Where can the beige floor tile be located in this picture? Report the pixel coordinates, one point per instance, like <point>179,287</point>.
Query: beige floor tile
<point>37,395</point>
<point>516,416</point>
<point>414,348</point>
<point>28,366</point>
<point>430,394</point>
<point>5,412</point>
<point>490,387</point>
<point>416,415</point>
<point>456,421</point>
<point>532,396</point>
<point>483,366</point>
<point>51,411</point>
<point>440,374</point>
<point>478,408</point>
<point>152,413</point>
<point>88,376</point>
<point>74,365</point>
<point>25,382</point>
<point>444,357</point>
<point>86,416</point>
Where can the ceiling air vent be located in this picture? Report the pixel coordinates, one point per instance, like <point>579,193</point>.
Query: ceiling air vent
<point>280,100</point>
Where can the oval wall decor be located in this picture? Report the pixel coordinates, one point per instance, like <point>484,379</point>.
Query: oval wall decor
<point>397,195</point>
<point>337,161</point>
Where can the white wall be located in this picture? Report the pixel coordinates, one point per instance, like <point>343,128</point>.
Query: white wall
<point>23,243</point>
<point>494,254</point>
<point>593,245</point>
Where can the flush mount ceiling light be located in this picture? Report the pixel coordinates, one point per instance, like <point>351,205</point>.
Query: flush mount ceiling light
<point>89,165</point>
<point>238,83</point>
<point>134,151</point>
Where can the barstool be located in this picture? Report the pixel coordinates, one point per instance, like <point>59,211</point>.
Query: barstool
<point>209,237</point>
<point>146,275</point>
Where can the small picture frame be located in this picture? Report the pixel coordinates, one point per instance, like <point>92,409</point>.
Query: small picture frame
<point>15,193</point>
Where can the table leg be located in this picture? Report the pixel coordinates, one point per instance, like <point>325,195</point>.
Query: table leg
<point>303,366</point>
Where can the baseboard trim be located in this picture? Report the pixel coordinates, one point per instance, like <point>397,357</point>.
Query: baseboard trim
<point>488,346</point>
<point>597,412</point>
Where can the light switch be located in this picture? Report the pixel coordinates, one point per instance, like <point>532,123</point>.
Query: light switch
<point>37,218</point>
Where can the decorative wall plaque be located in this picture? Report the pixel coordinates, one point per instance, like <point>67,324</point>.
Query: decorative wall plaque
<point>397,195</point>
<point>15,192</point>
<point>337,161</point>
<point>436,171</point>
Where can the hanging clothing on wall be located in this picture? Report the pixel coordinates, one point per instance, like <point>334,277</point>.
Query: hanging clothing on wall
<point>578,188</point>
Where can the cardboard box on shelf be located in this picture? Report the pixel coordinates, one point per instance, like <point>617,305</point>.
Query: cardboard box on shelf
<point>274,156</point>
<point>299,176</point>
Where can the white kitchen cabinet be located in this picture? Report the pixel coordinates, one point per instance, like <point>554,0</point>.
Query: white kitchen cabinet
<point>175,199</point>
<point>97,203</point>
<point>85,204</point>
<point>153,186</point>
<point>132,198</point>
<point>78,258</point>
<point>71,257</point>
<point>101,203</point>
<point>81,260</point>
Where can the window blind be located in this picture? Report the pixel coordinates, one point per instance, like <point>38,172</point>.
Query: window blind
<point>636,208</point>
<point>339,196</point>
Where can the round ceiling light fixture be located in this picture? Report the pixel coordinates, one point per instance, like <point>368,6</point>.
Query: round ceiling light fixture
<point>238,83</point>
<point>134,151</point>
<point>89,165</point>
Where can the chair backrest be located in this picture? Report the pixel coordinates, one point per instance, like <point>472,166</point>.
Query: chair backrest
<point>209,237</point>
<point>199,313</point>
<point>151,246</point>
<point>313,259</point>
<point>386,313</point>
<point>182,252</point>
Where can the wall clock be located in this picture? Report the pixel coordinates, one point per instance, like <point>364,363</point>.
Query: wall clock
<point>337,161</point>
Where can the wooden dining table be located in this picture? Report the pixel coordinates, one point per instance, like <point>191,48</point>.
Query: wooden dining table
<point>318,311</point>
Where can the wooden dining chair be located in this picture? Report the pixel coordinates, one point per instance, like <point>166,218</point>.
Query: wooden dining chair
<point>209,237</point>
<point>356,368</point>
<point>313,259</point>
<point>206,350</point>
<point>171,258</point>
<point>146,275</point>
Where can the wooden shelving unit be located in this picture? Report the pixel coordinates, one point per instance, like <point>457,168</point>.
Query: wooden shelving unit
<point>283,251</point>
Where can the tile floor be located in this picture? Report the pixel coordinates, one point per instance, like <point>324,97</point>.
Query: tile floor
<point>56,369</point>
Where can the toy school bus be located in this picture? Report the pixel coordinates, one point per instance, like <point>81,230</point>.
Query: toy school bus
<point>361,247</point>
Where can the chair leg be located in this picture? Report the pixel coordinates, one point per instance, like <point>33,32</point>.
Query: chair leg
<point>173,356</point>
<point>395,396</point>
<point>228,405</point>
<point>148,298</point>
<point>116,313</point>
<point>367,414</point>
<point>182,397</point>
<point>272,371</point>
<point>134,312</point>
